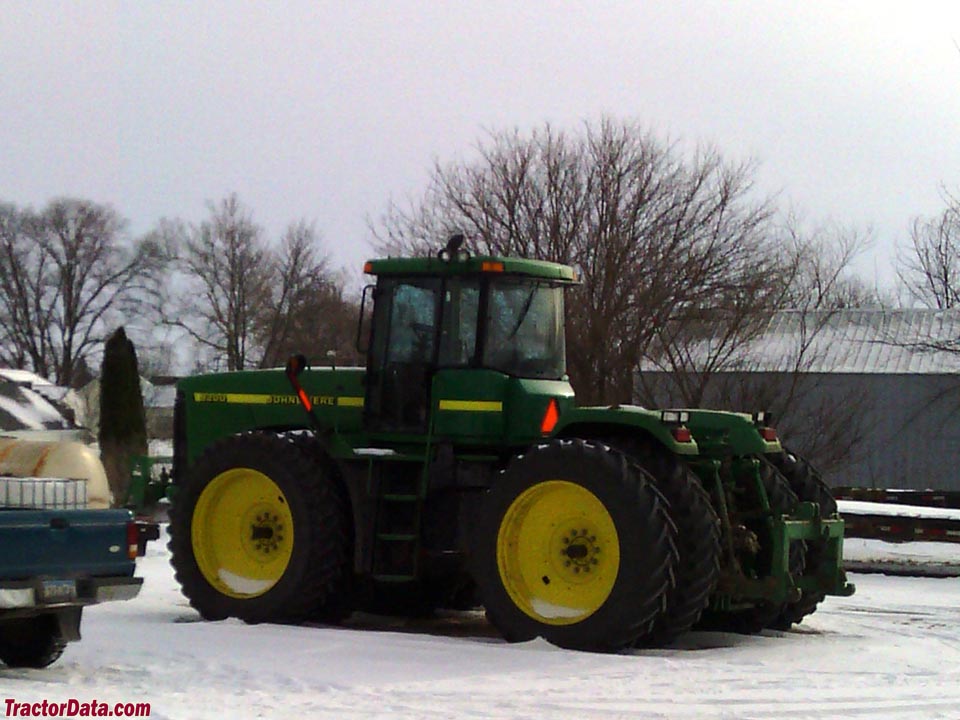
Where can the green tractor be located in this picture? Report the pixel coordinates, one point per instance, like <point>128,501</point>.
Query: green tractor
<point>456,469</point>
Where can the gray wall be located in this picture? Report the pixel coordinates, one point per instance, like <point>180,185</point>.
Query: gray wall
<point>901,431</point>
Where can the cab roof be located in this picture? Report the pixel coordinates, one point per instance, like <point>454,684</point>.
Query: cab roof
<point>472,265</point>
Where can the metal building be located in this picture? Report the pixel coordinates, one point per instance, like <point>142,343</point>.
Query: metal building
<point>874,395</point>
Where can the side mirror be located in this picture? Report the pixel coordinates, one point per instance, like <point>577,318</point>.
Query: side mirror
<point>361,335</point>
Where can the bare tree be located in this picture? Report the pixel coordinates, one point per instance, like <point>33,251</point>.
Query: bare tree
<point>225,282</point>
<point>244,302</point>
<point>738,358</point>
<point>808,270</point>
<point>652,233</point>
<point>308,313</point>
<point>65,274</point>
<point>929,269</point>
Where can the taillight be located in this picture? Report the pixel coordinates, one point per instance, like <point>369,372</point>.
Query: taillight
<point>550,418</point>
<point>768,434</point>
<point>682,434</point>
<point>133,540</point>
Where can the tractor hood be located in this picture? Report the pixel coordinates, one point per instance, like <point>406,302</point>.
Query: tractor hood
<point>719,432</point>
<point>609,420</point>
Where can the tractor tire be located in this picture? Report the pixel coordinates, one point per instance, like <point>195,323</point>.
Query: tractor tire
<point>259,531</point>
<point>698,542</point>
<point>807,484</point>
<point>574,544</point>
<point>762,615</point>
<point>31,642</point>
<point>698,539</point>
<point>340,605</point>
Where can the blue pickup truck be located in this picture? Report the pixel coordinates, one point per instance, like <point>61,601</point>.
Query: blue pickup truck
<point>57,555</point>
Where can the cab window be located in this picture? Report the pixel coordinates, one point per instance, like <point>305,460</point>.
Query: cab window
<point>524,329</point>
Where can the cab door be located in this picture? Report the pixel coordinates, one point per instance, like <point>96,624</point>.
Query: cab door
<point>402,355</point>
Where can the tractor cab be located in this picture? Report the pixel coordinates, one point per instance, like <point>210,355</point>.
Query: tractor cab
<point>435,318</point>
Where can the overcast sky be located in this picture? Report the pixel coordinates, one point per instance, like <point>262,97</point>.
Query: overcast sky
<point>328,110</point>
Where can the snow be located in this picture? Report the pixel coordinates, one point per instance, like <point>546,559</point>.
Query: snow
<point>32,410</point>
<point>23,376</point>
<point>857,507</point>
<point>890,651</point>
<point>243,585</point>
<point>928,558</point>
<point>160,448</point>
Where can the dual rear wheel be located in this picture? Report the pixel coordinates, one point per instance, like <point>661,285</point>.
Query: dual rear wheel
<point>575,545</point>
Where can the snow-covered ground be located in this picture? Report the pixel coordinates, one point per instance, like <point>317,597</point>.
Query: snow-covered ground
<point>890,651</point>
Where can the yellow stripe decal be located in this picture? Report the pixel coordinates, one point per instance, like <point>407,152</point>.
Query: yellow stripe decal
<point>472,405</point>
<point>350,401</point>
<point>264,399</point>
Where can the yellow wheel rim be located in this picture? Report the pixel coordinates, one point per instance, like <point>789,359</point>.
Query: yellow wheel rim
<point>558,552</point>
<point>242,533</point>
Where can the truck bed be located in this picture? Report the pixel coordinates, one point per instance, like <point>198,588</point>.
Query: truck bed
<point>64,544</point>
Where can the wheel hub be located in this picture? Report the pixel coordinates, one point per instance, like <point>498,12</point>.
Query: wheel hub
<point>266,533</point>
<point>580,551</point>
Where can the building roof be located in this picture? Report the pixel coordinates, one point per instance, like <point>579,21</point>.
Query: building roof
<point>23,408</point>
<point>852,341</point>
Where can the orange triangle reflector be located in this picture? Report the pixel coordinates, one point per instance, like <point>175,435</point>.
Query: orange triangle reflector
<point>550,417</point>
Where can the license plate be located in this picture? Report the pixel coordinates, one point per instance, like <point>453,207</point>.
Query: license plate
<point>57,591</point>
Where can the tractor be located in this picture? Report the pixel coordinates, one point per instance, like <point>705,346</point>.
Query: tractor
<point>456,470</point>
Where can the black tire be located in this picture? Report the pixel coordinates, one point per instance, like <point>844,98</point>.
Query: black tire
<point>31,642</point>
<point>339,605</point>
<point>807,483</point>
<point>698,539</point>
<point>313,576</point>
<point>765,614</point>
<point>698,532</point>
<point>620,495</point>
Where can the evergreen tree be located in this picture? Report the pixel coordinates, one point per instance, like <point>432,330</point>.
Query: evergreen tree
<point>123,428</point>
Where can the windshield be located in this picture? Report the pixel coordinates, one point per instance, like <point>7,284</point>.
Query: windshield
<point>524,329</point>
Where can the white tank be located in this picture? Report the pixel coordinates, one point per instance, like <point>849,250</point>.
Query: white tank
<point>51,459</point>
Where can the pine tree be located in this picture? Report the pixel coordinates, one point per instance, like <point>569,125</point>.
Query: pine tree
<point>123,428</point>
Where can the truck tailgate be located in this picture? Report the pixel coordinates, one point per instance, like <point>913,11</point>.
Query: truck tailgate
<point>64,543</point>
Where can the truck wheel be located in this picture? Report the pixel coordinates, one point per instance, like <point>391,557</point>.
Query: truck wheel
<point>574,544</point>
<point>258,531</point>
<point>807,484</point>
<point>751,620</point>
<point>31,642</point>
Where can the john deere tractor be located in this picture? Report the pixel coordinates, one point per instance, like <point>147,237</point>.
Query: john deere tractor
<point>456,469</point>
